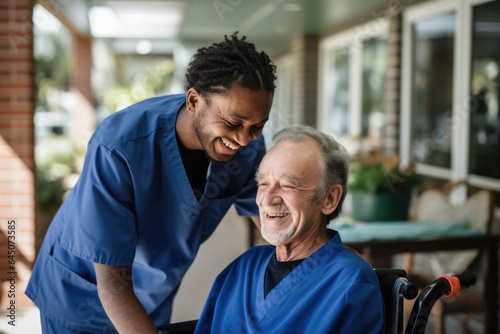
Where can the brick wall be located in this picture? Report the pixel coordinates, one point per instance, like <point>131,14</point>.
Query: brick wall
<point>393,92</point>
<point>17,200</point>
<point>304,50</point>
<point>82,115</point>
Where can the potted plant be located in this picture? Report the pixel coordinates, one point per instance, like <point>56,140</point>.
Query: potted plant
<point>380,186</point>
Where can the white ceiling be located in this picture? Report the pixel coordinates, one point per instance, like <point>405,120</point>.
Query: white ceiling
<point>269,24</point>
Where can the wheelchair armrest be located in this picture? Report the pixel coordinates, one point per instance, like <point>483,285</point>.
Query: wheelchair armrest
<point>184,327</point>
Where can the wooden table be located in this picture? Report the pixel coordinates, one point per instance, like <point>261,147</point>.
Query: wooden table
<point>489,245</point>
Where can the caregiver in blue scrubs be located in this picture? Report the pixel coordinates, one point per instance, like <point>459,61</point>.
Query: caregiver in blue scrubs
<point>158,177</point>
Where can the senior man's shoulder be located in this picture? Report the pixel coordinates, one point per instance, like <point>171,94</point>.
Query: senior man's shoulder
<point>352,264</point>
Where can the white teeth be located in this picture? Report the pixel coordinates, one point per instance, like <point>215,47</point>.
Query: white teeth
<point>277,215</point>
<point>229,145</point>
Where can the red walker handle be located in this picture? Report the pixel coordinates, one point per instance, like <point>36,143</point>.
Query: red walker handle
<point>454,285</point>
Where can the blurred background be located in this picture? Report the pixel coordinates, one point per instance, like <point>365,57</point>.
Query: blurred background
<point>416,78</point>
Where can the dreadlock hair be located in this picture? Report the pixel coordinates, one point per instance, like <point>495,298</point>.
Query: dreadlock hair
<point>215,68</point>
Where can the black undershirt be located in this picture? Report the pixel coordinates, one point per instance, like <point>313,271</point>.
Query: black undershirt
<point>276,271</point>
<point>196,166</point>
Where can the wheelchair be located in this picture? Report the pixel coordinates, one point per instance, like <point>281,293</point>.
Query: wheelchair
<point>395,288</point>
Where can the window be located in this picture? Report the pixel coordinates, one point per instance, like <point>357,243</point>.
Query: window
<point>484,139</point>
<point>338,99</point>
<point>373,89</point>
<point>450,121</point>
<point>352,84</point>
<point>432,66</point>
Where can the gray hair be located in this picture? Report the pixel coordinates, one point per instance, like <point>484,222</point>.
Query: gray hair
<point>335,163</point>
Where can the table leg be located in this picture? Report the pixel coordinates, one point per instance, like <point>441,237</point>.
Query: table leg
<point>377,262</point>
<point>491,289</point>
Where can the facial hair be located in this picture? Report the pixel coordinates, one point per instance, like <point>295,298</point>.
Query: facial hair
<point>276,235</point>
<point>203,137</point>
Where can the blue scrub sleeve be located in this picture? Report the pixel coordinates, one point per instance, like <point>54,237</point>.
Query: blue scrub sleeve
<point>100,224</point>
<point>245,201</point>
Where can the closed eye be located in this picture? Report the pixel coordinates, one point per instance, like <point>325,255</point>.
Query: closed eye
<point>232,125</point>
<point>262,184</point>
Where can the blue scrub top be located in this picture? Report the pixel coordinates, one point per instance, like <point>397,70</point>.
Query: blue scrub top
<point>133,206</point>
<point>331,291</point>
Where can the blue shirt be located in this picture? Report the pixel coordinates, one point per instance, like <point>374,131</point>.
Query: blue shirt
<point>331,291</point>
<point>134,206</point>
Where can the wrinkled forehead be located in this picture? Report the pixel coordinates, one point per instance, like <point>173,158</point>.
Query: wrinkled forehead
<point>292,159</point>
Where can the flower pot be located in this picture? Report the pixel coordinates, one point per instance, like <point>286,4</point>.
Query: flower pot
<point>390,206</point>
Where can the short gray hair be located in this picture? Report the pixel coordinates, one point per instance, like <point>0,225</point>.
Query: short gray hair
<point>335,164</point>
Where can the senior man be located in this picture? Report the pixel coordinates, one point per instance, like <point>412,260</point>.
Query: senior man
<point>306,281</point>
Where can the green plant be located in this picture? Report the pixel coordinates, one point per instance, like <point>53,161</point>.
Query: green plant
<point>56,164</point>
<point>49,193</point>
<point>377,172</point>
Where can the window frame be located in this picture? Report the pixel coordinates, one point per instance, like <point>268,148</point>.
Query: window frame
<point>353,39</point>
<point>459,169</point>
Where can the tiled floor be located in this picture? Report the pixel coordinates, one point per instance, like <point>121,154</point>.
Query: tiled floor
<point>27,322</point>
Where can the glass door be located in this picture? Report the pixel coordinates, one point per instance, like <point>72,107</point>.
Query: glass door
<point>431,89</point>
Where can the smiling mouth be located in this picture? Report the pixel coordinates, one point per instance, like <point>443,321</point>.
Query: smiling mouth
<point>229,145</point>
<point>276,215</point>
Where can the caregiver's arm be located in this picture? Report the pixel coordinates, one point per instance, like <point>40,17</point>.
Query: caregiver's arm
<point>114,285</point>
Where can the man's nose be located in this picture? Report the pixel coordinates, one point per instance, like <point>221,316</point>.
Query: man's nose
<point>243,136</point>
<point>270,196</point>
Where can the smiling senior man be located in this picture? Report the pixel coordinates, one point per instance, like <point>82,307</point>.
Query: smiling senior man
<point>307,281</point>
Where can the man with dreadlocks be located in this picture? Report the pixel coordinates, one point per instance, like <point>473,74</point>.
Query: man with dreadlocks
<point>157,179</point>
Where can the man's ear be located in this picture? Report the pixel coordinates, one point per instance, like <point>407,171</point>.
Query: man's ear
<point>332,199</point>
<point>193,100</point>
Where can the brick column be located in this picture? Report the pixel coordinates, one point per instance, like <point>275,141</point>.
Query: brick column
<point>393,83</point>
<point>17,186</point>
<point>82,116</point>
<point>305,86</point>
